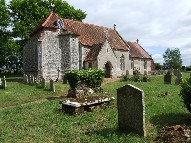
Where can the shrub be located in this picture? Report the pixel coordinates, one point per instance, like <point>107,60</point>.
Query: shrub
<point>91,78</point>
<point>146,79</point>
<point>73,78</point>
<point>136,78</point>
<point>125,77</point>
<point>185,93</point>
<point>136,72</point>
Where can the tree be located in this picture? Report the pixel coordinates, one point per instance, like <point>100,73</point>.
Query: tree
<point>4,16</point>
<point>172,59</point>
<point>4,33</point>
<point>158,66</point>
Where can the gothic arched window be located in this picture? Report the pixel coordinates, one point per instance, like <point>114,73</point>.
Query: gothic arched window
<point>122,62</point>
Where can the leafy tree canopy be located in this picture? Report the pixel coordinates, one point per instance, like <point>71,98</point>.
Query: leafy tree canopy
<point>4,16</point>
<point>172,59</point>
<point>158,66</point>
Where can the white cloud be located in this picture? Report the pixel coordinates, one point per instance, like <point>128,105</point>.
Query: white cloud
<point>158,58</point>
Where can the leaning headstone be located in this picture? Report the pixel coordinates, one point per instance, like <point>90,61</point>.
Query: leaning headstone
<point>52,86</point>
<point>4,83</point>
<point>179,78</point>
<point>131,110</point>
<point>25,79</point>
<point>168,78</point>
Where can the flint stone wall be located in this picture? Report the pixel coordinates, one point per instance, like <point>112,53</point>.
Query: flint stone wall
<point>49,54</point>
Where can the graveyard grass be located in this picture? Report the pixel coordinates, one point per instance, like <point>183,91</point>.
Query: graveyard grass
<point>43,122</point>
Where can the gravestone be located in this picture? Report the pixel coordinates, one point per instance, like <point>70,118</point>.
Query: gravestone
<point>176,72</point>
<point>145,72</point>
<point>29,79</point>
<point>32,80</point>
<point>178,78</point>
<point>4,83</point>
<point>26,79</point>
<point>168,78</point>
<point>131,110</point>
<point>35,80</point>
<point>52,86</point>
<point>43,83</point>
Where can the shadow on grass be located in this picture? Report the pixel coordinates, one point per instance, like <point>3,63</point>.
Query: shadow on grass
<point>108,132</point>
<point>171,119</point>
<point>14,80</point>
<point>56,97</point>
<point>12,77</point>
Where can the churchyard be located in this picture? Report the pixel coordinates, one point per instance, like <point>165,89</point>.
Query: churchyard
<point>31,114</point>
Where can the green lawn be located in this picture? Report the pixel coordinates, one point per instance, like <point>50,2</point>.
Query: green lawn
<point>44,122</point>
<point>18,93</point>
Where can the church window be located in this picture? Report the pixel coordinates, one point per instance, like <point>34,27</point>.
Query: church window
<point>145,64</point>
<point>122,62</point>
<point>132,64</point>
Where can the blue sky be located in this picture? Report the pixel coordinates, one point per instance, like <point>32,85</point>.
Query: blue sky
<point>158,24</point>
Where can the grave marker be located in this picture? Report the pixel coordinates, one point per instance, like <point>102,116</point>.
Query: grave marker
<point>168,78</point>
<point>52,86</point>
<point>32,80</point>
<point>131,110</point>
<point>4,83</point>
<point>176,72</point>
<point>179,78</point>
<point>43,83</point>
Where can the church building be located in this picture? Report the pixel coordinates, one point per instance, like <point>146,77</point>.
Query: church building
<point>58,45</point>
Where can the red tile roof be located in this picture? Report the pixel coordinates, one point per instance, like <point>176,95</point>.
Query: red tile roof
<point>137,51</point>
<point>89,34</point>
<point>94,51</point>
